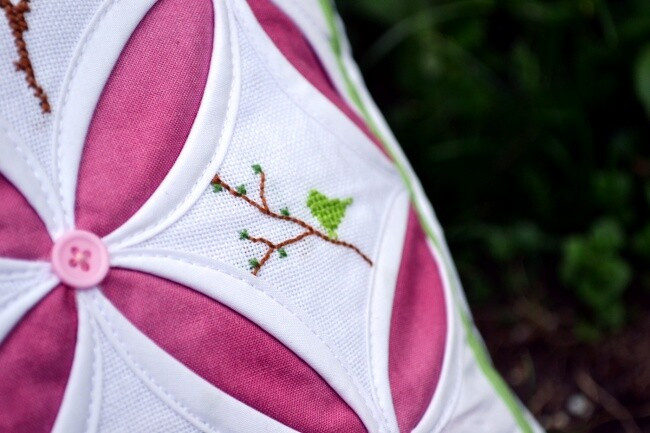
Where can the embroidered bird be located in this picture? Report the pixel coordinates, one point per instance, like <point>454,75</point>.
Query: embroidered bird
<point>328,212</point>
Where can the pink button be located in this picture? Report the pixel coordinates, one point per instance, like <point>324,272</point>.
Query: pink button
<point>80,259</point>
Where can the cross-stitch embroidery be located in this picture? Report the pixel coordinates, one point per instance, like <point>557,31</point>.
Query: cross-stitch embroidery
<point>18,25</point>
<point>328,212</point>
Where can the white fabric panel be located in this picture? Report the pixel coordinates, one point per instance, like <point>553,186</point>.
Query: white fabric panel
<point>479,408</point>
<point>384,281</point>
<point>12,269</point>
<point>128,405</point>
<point>79,411</point>
<point>22,169</point>
<point>18,277</point>
<point>19,295</point>
<point>55,27</point>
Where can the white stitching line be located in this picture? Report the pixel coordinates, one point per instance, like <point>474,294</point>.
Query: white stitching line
<point>260,290</point>
<point>95,367</point>
<point>14,297</point>
<point>36,288</point>
<point>64,103</point>
<point>23,294</point>
<point>111,327</point>
<point>9,301</point>
<point>397,194</point>
<point>21,275</point>
<point>32,168</point>
<point>198,184</point>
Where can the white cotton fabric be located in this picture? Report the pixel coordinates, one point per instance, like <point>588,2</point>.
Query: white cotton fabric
<point>14,285</point>
<point>59,25</point>
<point>127,405</point>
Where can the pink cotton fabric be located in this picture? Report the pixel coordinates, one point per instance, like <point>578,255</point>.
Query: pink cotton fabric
<point>36,359</point>
<point>418,329</point>
<point>231,352</point>
<point>27,240</point>
<point>145,113</point>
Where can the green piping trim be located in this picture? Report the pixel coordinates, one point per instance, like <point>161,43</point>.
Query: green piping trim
<point>480,353</point>
<point>493,376</point>
<point>335,42</point>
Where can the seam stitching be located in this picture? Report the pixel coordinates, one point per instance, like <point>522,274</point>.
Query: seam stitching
<point>187,413</point>
<point>32,168</point>
<point>95,368</point>
<point>398,192</point>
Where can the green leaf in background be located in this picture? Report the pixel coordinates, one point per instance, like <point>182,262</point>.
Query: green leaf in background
<point>593,267</point>
<point>642,77</point>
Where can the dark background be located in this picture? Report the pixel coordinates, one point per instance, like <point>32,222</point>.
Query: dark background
<point>527,122</point>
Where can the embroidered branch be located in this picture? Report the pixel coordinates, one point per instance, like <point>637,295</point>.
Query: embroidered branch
<point>328,212</point>
<point>18,25</point>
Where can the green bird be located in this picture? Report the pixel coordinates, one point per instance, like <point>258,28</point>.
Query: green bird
<point>328,212</point>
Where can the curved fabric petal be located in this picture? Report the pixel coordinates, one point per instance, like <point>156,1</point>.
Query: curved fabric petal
<point>36,359</point>
<point>230,352</point>
<point>384,281</point>
<point>145,113</point>
<point>80,407</point>
<point>22,233</point>
<point>418,329</point>
<point>296,48</point>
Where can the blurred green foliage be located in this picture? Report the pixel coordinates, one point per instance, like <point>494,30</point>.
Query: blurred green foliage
<point>527,122</point>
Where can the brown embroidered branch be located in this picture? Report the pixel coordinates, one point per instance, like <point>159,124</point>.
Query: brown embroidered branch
<point>18,25</point>
<point>263,207</point>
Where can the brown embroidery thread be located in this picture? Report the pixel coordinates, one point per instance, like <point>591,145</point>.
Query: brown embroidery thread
<point>264,208</point>
<point>18,24</point>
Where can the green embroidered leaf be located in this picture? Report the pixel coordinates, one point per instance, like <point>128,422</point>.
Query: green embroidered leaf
<point>328,212</point>
<point>254,263</point>
<point>244,234</point>
<point>285,211</point>
<point>257,168</point>
<point>282,253</point>
<point>241,190</point>
<point>216,187</point>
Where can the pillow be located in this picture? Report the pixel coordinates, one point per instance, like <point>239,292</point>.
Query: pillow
<point>206,225</point>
